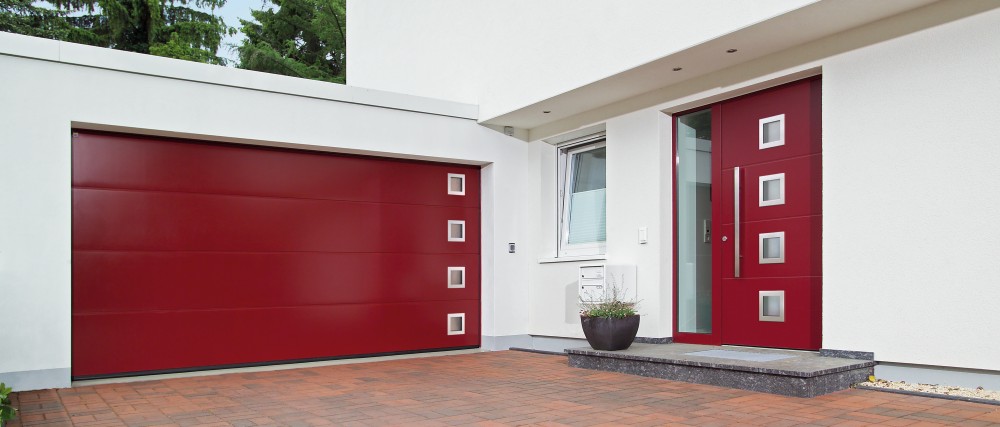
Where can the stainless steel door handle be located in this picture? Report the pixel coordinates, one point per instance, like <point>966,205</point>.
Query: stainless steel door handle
<point>736,221</point>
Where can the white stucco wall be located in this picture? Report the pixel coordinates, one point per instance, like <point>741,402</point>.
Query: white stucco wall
<point>52,87</point>
<point>504,54</point>
<point>634,187</point>
<point>911,194</point>
<point>910,187</point>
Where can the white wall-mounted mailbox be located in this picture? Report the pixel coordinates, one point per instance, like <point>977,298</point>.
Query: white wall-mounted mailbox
<point>596,280</point>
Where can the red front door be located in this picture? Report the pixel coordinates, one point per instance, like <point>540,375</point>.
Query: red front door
<point>764,195</point>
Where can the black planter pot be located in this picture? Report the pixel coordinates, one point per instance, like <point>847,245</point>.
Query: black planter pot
<point>607,333</point>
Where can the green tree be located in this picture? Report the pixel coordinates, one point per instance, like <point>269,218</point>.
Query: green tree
<point>302,38</point>
<point>173,28</point>
<point>23,17</point>
<point>7,412</point>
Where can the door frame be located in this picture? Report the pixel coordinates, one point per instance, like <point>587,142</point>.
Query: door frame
<point>715,337</point>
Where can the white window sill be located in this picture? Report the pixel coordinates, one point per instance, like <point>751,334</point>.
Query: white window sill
<point>573,259</point>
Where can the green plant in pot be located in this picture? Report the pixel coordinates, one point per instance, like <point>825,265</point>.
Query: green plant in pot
<point>7,412</point>
<point>609,319</point>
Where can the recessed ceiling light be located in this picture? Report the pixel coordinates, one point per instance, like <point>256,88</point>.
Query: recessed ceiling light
<point>731,51</point>
<point>677,68</point>
<point>546,112</point>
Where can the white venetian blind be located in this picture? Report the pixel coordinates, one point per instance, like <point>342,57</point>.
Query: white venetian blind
<point>587,211</point>
<point>587,218</point>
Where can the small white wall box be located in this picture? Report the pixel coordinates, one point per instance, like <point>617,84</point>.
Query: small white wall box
<point>595,281</point>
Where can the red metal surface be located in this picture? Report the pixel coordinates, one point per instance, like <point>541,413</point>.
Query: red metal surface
<point>139,341</point>
<point>800,330</point>
<point>141,163</point>
<point>189,255</point>
<point>735,144</point>
<point>800,217</point>
<point>798,101</point>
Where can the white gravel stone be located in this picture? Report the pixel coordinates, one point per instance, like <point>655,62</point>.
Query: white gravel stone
<point>978,393</point>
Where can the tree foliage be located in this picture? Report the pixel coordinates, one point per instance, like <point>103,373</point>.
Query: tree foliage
<point>7,412</point>
<point>174,28</point>
<point>23,17</point>
<point>302,38</point>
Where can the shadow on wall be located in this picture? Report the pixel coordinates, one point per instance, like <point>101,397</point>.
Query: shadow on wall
<point>572,303</point>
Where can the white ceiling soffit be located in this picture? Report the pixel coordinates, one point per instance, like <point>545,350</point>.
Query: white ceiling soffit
<point>797,27</point>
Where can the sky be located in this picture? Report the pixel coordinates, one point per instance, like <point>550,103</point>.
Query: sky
<point>232,12</point>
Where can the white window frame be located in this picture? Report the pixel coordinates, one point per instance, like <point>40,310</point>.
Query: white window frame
<point>564,171</point>
<point>460,192</point>
<point>780,118</point>
<point>459,316</point>
<point>781,306</point>
<point>780,177</point>
<point>456,222</point>
<point>456,285</point>
<point>780,235</point>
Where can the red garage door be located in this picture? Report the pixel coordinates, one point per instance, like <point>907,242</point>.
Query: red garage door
<point>190,255</point>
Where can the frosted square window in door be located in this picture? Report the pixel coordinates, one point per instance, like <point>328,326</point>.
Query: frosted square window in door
<point>456,184</point>
<point>456,324</point>
<point>771,306</point>
<point>456,277</point>
<point>771,131</point>
<point>771,189</point>
<point>456,231</point>
<point>771,247</point>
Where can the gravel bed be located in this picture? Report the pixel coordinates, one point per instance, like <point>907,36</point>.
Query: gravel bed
<point>944,390</point>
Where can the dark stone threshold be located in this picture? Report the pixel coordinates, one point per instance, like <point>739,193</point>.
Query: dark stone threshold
<point>847,354</point>
<point>649,340</point>
<point>786,382</point>
<point>719,365</point>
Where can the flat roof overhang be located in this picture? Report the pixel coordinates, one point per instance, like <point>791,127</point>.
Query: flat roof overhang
<point>806,24</point>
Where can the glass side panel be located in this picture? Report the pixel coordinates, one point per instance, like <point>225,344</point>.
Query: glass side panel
<point>694,222</point>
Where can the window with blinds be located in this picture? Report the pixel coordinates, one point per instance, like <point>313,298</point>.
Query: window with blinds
<point>583,219</point>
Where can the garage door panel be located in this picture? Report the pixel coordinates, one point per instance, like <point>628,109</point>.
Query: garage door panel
<point>133,220</point>
<point>189,255</point>
<point>142,163</point>
<point>135,281</point>
<point>168,340</point>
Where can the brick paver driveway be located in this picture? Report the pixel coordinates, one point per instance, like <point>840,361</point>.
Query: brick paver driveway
<point>499,388</point>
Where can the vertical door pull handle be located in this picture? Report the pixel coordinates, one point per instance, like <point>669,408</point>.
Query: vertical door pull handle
<point>736,221</point>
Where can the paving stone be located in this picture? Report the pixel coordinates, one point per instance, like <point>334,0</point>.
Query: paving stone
<point>486,389</point>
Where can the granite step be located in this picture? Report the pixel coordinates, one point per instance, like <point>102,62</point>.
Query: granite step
<point>784,372</point>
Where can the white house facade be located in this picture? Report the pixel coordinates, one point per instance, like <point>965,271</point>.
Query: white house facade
<point>817,175</point>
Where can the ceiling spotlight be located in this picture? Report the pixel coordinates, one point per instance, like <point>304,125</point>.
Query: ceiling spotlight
<point>731,51</point>
<point>677,68</point>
